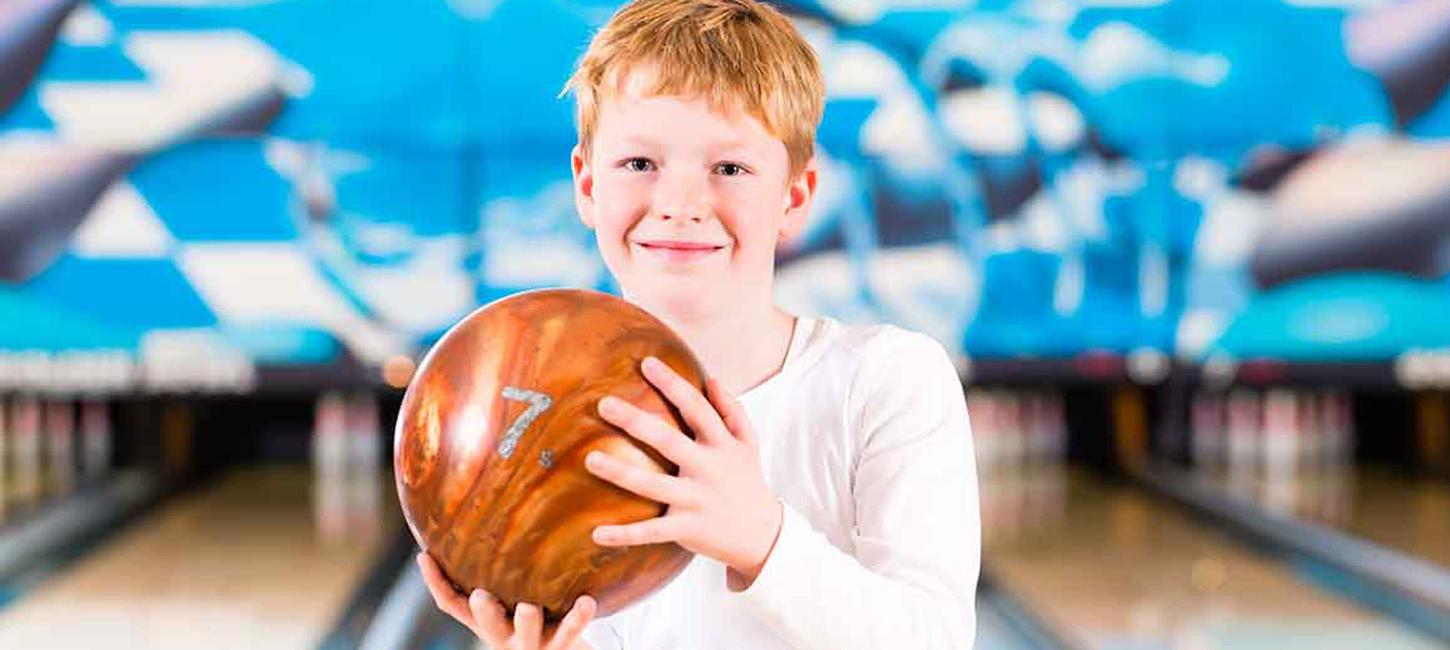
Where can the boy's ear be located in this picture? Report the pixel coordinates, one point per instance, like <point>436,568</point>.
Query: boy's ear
<point>583,186</point>
<point>798,199</point>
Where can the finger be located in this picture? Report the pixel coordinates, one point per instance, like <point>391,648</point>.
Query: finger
<point>650,531</point>
<point>488,614</point>
<point>573,624</point>
<point>732,412</point>
<point>528,626</point>
<point>649,484</point>
<point>699,415</point>
<point>645,427</point>
<point>444,596</point>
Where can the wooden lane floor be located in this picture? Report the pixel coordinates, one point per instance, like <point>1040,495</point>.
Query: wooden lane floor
<point>264,557</point>
<point>1398,509</point>
<point>1107,565</point>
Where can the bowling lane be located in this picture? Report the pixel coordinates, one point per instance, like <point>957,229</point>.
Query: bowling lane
<point>1389,507</point>
<point>264,557</point>
<point>1107,565</point>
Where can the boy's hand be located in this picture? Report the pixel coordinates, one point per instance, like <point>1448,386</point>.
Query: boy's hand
<point>485,616</point>
<point>719,505</point>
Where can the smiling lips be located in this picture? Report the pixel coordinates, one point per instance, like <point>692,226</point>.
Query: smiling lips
<point>679,251</point>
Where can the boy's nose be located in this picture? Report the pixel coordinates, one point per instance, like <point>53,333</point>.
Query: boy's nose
<point>682,200</point>
<point>691,215</point>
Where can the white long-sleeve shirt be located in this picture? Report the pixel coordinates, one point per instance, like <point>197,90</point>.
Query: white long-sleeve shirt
<point>864,438</point>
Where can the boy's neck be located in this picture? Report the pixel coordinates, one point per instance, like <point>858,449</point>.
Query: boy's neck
<point>740,346</point>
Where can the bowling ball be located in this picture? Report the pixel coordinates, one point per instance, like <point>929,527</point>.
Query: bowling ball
<point>490,445</point>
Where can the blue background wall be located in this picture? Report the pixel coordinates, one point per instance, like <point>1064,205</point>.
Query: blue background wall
<point>297,181</point>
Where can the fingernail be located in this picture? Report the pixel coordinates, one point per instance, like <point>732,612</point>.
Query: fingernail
<point>608,404</point>
<point>651,363</point>
<point>592,460</point>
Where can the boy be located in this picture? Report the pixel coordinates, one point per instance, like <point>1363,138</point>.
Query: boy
<point>833,505</point>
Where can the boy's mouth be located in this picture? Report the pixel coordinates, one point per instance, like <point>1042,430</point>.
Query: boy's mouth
<point>678,251</point>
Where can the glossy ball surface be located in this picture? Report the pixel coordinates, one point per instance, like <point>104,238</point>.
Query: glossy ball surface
<point>490,444</point>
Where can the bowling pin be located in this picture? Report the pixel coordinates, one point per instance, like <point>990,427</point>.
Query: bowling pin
<point>981,409</point>
<point>1338,418</point>
<point>1057,426</point>
<point>1243,430</point>
<point>1034,421</point>
<point>1311,439</point>
<point>363,489</point>
<point>329,462</point>
<point>329,435</point>
<point>364,434</point>
<point>1347,432</point>
<point>26,437</point>
<point>1281,422</point>
<point>1015,421</point>
<point>1043,419</point>
<point>4,458</point>
<point>980,412</point>
<point>1013,435</point>
<point>1306,462</point>
<point>95,439</point>
<point>1207,430</point>
<point>60,447</point>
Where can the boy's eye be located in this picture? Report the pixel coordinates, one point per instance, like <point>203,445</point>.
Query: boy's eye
<point>730,169</point>
<point>638,164</point>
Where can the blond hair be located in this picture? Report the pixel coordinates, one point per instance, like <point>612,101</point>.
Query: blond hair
<point>736,54</point>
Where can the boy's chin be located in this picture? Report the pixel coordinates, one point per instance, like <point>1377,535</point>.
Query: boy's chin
<point>679,299</point>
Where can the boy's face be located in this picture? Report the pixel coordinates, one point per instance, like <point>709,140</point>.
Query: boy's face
<point>687,204</point>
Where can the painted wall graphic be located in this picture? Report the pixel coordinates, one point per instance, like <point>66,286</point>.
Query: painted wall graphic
<point>262,183</point>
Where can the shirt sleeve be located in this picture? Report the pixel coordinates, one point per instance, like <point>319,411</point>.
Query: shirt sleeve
<point>911,580</point>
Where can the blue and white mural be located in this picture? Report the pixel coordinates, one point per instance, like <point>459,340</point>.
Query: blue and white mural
<point>295,182</point>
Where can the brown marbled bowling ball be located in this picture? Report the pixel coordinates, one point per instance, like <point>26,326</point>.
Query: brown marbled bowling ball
<point>490,445</point>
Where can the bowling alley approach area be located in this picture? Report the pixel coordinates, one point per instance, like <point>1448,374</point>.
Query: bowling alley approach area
<point>1141,307</point>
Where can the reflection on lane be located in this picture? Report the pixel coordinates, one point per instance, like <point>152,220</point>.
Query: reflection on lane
<point>263,558</point>
<point>1390,507</point>
<point>1109,566</point>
